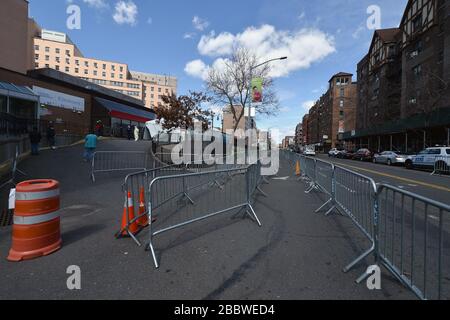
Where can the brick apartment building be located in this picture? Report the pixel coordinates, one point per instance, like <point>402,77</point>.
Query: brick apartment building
<point>404,83</point>
<point>305,129</point>
<point>299,135</point>
<point>333,113</point>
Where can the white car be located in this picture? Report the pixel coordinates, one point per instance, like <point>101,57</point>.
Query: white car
<point>430,157</point>
<point>309,152</point>
<point>390,158</point>
<point>334,152</point>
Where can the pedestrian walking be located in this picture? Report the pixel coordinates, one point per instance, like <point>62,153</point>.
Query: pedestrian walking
<point>129,132</point>
<point>51,135</point>
<point>35,139</point>
<point>136,133</point>
<point>89,146</point>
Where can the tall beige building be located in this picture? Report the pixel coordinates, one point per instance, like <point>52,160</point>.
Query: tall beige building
<point>229,122</point>
<point>55,50</point>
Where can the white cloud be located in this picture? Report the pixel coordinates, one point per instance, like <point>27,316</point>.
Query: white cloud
<point>96,3</point>
<point>197,69</point>
<point>199,23</point>
<point>210,45</point>
<point>308,104</point>
<point>302,47</point>
<point>357,33</point>
<point>189,35</point>
<point>301,16</point>
<point>150,20</point>
<point>126,13</point>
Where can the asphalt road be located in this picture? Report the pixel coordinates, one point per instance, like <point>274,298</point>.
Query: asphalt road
<point>420,182</point>
<point>296,254</point>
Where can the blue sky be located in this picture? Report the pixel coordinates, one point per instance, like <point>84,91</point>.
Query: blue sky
<point>164,36</point>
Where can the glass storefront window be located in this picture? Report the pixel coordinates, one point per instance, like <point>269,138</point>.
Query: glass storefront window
<point>2,104</point>
<point>22,109</point>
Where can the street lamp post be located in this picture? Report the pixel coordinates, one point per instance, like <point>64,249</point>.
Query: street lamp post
<point>250,84</point>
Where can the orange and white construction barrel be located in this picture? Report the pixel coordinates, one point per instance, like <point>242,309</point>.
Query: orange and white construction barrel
<point>36,229</point>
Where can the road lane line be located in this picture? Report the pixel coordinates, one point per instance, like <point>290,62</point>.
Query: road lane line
<point>429,185</point>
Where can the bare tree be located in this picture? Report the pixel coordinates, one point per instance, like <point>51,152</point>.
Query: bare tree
<point>230,85</point>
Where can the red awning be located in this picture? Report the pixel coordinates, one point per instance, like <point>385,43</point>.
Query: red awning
<point>124,112</point>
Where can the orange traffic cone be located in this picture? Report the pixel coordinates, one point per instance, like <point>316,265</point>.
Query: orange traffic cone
<point>143,218</point>
<point>126,226</point>
<point>297,168</point>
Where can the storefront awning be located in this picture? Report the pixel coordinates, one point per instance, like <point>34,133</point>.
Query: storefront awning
<point>124,112</point>
<point>20,92</point>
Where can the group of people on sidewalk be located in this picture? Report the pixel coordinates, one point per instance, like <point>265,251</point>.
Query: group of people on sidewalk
<point>35,138</point>
<point>90,140</point>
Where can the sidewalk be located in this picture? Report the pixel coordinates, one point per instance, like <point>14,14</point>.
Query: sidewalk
<point>295,255</point>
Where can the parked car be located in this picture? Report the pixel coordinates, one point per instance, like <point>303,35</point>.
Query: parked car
<point>346,154</point>
<point>334,152</point>
<point>309,152</point>
<point>390,158</point>
<point>363,155</point>
<point>430,157</point>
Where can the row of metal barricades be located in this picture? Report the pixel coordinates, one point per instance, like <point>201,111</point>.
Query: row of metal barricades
<point>162,197</point>
<point>408,233</point>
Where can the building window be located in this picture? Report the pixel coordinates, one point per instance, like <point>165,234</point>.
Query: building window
<point>67,69</point>
<point>417,70</point>
<point>152,96</point>
<point>47,58</point>
<point>77,62</point>
<point>95,72</point>
<point>342,92</point>
<point>112,75</point>
<point>68,53</point>
<point>104,66</point>
<point>76,70</point>
<point>103,74</point>
<point>47,65</point>
<point>36,47</point>
<point>341,103</point>
<point>95,65</point>
<point>67,61</point>
<point>159,89</point>
<point>417,24</point>
<point>113,67</point>
<point>57,68</point>
<point>167,90</point>
<point>47,49</point>
<point>36,57</point>
<point>86,71</point>
<point>36,65</point>
<point>86,64</point>
<point>57,59</point>
<point>121,76</point>
<point>152,89</point>
<point>57,50</point>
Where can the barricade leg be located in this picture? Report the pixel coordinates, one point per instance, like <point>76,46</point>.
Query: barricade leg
<point>359,259</point>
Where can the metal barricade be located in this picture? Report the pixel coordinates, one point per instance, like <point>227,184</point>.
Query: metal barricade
<point>441,165</point>
<point>355,195</point>
<point>324,173</point>
<point>181,200</point>
<point>310,172</point>
<point>135,188</point>
<point>114,161</point>
<point>413,241</point>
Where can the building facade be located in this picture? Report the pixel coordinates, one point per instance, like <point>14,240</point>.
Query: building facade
<point>299,135</point>
<point>229,122</point>
<point>404,83</point>
<point>55,50</point>
<point>305,129</point>
<point>333,113</point>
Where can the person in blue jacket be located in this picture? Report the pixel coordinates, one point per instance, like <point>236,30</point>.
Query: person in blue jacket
<point>89,146</point>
